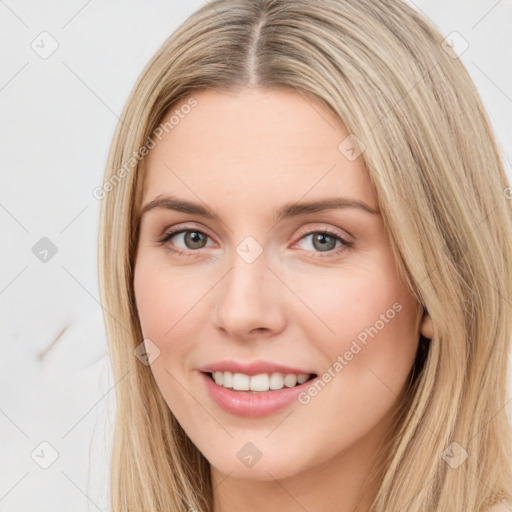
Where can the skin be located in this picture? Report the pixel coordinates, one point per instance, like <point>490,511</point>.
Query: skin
<point>243,155</point>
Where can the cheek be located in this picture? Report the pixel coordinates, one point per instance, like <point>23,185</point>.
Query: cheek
<point>165,304</point>
<point>369,353</point>
<point>368,317</point>
<point>165,298</point>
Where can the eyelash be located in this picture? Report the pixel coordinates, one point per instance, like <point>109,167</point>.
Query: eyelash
<point>345,244</point>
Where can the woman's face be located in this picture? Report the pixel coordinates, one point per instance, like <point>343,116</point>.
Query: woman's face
<point>257,280</point>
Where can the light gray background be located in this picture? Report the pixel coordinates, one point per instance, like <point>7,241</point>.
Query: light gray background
<point>57,119</point>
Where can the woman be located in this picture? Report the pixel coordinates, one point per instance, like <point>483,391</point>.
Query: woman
<point>305,259</point>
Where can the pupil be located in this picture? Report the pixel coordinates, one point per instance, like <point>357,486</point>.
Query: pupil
<point>194,238</point>
<point>322,238</point>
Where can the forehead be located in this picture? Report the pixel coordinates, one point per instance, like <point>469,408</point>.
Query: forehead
<point>250,145</point>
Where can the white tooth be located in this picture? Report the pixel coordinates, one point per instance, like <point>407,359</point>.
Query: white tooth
<point>262,382</point>
<point>276,380</point>
<point>241,382</point>
<point>290,380</point>
<point>228,380</point>
<point>259,382</point>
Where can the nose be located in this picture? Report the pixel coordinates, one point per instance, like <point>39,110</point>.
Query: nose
<point>251,300</point>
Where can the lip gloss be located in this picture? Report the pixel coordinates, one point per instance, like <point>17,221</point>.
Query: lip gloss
<point>252,404</point>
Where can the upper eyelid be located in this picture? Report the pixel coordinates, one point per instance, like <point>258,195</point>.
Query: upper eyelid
<point>334,231</point>
<point>176,230</point>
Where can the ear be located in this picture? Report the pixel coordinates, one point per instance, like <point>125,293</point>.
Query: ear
<point>427,328</point>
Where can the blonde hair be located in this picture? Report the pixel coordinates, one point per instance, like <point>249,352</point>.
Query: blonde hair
<point>438,172</point>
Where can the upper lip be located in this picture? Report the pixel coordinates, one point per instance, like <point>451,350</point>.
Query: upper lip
<point>252,368</point>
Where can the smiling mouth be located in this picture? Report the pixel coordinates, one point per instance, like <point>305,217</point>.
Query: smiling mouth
<point>261,383</point>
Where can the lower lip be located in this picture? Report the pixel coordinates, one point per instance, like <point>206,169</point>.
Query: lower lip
<point>252,404</point>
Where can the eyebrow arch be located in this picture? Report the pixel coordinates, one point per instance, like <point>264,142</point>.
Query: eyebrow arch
<point>331,203</point>
<point>288,210</point>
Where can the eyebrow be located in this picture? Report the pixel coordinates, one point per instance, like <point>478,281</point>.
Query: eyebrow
<point>286,211</point>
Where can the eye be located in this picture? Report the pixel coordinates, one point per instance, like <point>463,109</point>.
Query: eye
<point>193,239</point>
<point>322,241</point>
<point>325,242</point>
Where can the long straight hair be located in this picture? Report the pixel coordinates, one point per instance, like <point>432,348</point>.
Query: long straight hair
<point>438,171</point>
